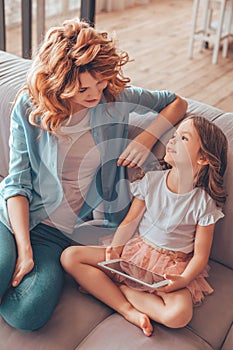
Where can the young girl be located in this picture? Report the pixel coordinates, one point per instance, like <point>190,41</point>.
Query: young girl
<point>175,211</point>
<point>69,130</point>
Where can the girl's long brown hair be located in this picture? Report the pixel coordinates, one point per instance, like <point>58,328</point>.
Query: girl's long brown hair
<point>214,147</point>
<point>67,51</point>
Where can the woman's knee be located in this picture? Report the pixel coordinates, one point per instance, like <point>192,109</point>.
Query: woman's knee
<point>26,316</point>
<point>30,305</point>
<point>27,322</point>
<point>7,257</point>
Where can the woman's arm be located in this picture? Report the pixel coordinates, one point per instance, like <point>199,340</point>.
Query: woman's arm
<point>18,211</point>
<point>138,150</point>
<point>202,247</point>
<point>127,228</point>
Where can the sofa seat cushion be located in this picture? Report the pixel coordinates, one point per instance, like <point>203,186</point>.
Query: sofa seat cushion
<point>228,344</point>
<point>123,335</point>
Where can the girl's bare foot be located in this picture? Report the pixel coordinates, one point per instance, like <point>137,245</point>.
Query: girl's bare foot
<point>139,319</point>
<point>136,317</point>
<point>146,325</point>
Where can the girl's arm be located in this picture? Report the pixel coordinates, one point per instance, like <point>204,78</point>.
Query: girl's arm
<point>139,148</point>
<point>18,211</point>
<point>126,229</point>
<point>202,247</point>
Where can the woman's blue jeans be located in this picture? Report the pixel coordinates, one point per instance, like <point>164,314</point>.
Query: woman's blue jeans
<point>31,304</point>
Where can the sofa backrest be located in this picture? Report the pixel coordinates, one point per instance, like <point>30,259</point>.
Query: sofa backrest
<point>12,76</point>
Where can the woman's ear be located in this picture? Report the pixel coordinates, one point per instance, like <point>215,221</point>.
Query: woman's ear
<point>202,160</point>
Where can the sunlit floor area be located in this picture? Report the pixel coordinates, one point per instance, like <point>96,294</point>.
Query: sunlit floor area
<point>156,36</point>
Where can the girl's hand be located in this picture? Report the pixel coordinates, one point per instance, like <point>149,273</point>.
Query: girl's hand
<point>134,155</point>
<point>176,282</point>
<point>24,265</point>
<point>112,253</point>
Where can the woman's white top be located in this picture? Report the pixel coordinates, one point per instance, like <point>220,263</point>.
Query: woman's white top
<point>78,159</point>
<point>170,219</point>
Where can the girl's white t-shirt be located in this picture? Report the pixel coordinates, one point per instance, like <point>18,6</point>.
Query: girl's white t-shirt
<point>170,219</point>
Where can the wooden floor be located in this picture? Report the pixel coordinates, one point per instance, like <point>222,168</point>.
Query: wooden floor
<point>156,35</point>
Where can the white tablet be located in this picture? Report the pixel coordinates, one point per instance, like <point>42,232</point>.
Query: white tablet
<point>134,273</point>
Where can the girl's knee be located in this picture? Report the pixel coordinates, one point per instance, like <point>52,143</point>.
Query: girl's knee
<point>70,255</point>
<point>177,318</point>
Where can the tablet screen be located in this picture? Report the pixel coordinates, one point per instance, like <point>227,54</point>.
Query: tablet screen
<point>131,270</point>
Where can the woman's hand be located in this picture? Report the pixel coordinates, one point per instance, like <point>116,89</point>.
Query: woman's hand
<point>135,153</point>
<point>176,282</point>
<point>18,210</point>
<point>138,149</point>
<point>24,265</point>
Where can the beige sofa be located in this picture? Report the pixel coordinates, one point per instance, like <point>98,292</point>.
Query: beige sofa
<point>80,322</point>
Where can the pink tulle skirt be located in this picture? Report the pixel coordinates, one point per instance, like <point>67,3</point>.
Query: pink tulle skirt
<point>161,261</point>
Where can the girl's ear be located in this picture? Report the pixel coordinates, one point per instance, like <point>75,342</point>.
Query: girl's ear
<point>202,160</point>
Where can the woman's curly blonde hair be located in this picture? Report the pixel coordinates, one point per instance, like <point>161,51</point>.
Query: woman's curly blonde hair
<point>67,51</point>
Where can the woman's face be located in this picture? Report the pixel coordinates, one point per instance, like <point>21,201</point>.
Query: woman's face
<point>90,91</point>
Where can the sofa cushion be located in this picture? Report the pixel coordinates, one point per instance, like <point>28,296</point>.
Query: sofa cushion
<point>202,109</point>
<point>122,335</point>
<point>12,76</point>
<point>228,344</point>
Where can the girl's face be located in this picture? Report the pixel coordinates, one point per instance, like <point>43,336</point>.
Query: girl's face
<point>90,91</point>
<point>183,148</point>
